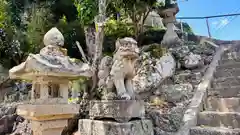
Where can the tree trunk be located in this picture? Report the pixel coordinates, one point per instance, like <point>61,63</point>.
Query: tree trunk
<point>136,30</point>
<point>90,41</point>
<point>100,21</point>
<point>98,55</point>
<point>140,23</point>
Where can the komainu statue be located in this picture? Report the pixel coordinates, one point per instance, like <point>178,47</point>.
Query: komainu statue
<point>117,73</point>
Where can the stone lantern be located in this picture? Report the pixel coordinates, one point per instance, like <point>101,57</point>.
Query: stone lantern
<point>50,72</point>
<point>168,15</point>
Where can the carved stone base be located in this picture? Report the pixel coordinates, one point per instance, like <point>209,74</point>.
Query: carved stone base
<point>47,112</point>
<point>47,119</point>
<point>54,127</point>
<point>119,110</point>
<point>96,127</point>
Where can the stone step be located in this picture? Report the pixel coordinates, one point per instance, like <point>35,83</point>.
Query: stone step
<point>231,54</point>
<point>227,73</point>
<point>213,131</point>
<point>225,92</point>
<point>229,65</point>
<point>219,119</point>
<point>223,104</point>
<point>224,61</point>
<point>226,82</point>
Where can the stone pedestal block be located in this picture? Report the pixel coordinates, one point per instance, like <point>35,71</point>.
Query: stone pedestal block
<point>47,119</point>
<point>120,110</point>
<point>48,127</point>
<point>47,112</point>
<point>96,127</point>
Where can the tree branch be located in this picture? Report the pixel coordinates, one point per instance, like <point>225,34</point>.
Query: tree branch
<point>82,53</point>
<point>145,15</point>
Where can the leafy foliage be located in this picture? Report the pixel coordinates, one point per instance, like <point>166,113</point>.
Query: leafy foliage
<point>72,32</point>
<point>137,11</point>
<point>155,50</point>
<point>23,24</point>
<point>61,8</point>
<point>3,13</point>
<point>7,47</point>
<point>37,26</point>
<point>87,10</point>
<point>170,3</point>
<point>118,28</point>
<point>187,28</point>
<point>115,29</point>
<point>151,36</point>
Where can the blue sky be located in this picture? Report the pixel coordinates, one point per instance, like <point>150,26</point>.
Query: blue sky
<point>225,28</point>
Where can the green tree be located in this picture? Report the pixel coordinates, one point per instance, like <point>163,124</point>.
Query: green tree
<point>39,23</point>
<point>7,31</point>
<point>137,11</point>
<point>186,28</point>
<point>23,29</point>
<point>3,13</point>
<point>87,10</point>
<point>61,8</point>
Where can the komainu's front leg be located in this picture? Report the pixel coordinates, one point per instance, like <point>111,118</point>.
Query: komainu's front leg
<point>129,87</point>
<point>120,88</point>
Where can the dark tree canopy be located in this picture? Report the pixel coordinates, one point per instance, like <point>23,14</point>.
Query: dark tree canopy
<point>23,24</point>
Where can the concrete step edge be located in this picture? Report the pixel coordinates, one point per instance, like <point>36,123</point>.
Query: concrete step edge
<point>236,93</point>
<point>226,78</point>
<point>224,88</point>
<point>217,130</point>
<point>228,98</point>
<point>219,119</point>
<point>219,113</point>
<point>225,69</point>
<point>218,104</point>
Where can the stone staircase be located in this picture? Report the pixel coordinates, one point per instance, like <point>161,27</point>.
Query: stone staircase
<point>221,114</point>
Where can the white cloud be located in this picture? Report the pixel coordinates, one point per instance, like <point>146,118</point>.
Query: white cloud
<point>221,23</point>
<point>215,23</point>
<point>224,22</point>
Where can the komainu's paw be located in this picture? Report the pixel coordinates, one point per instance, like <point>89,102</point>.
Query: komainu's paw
<point>125,96</point>
<point>110,96</point>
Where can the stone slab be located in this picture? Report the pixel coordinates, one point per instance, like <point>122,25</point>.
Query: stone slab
<point>47,101</point>
<point>223,104</point>
<point>226,61</point>
<point>96,127</point>
<point>227,73</point>
<point>48,127</point>
<point>229,65</point>
<point>226,82</point>
<point>225,92</point>
<point>213,131</point>
<point>47,112</point>
<point>120,110</point>
<point>219,119</point>
<point>226,69</point>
